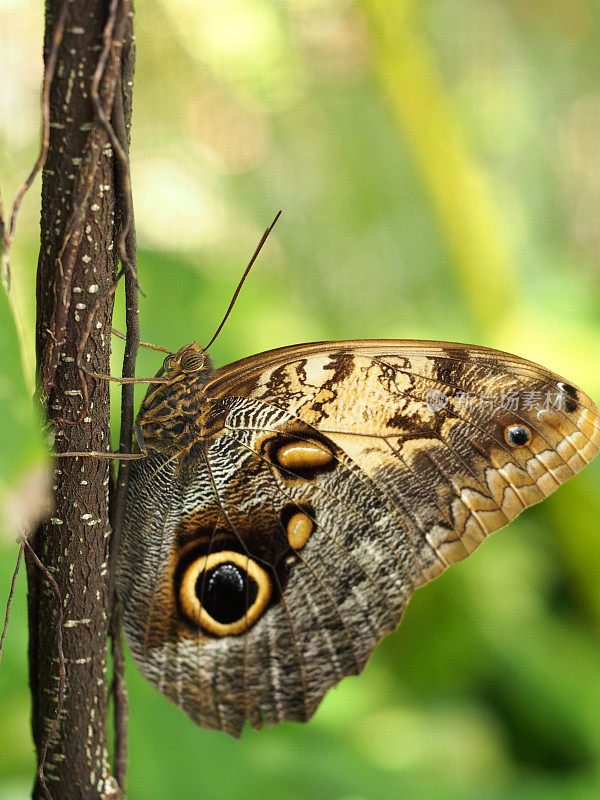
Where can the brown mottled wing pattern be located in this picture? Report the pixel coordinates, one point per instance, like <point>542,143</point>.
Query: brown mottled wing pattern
<point>345,475</point>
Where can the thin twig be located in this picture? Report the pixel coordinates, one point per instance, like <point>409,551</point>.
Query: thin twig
<point>61,666</point>
<point>119,695</point>
<point>117,130</point>
<point>119,146</point>
<point>10,598</point>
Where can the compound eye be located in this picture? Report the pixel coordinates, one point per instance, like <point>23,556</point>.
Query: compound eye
<point>192,361</point>
<point>517,435</point>
<point>224,593</point>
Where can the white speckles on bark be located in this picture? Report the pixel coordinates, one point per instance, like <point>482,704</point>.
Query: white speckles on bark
<point>70,82</point>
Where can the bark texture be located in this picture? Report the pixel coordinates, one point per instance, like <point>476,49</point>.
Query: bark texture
<point>75,290</point>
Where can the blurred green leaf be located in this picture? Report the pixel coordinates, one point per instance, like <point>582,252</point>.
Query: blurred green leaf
<point>23,475</point>
<point>459,191</point>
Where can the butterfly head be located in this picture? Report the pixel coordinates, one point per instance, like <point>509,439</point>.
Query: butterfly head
<point>190,360</point>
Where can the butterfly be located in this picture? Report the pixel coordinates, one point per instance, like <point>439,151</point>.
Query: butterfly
<point>291,502</point>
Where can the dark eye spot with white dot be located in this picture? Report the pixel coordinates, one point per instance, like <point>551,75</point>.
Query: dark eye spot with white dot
<point>517,435</point>
<point>570,401</point>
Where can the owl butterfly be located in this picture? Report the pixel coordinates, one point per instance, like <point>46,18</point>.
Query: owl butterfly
<point>291,502</point>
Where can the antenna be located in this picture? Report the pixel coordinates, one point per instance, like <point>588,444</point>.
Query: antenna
<point>264,238</point>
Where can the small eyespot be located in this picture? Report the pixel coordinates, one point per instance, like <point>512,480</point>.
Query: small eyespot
<point>517,435</point>
<point>299,529</point>
<point>570,402</point>
<point>225,593</point>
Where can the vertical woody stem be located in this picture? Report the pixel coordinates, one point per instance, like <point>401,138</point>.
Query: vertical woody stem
<point>77,269</point>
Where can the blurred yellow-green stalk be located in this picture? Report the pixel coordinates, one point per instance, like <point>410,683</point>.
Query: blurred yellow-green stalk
<point>438,167</point>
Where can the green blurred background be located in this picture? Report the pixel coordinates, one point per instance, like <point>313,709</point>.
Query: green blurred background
<point>438,167</point>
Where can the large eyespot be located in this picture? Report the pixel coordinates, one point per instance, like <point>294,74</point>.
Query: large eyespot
<point>225,593</point>
<point>517,435</point>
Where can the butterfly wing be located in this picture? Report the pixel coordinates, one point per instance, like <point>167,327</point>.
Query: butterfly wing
<point>428,422</point>
<point>265,564</point>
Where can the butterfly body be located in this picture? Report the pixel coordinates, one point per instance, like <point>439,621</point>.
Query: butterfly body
<point>291,502</point>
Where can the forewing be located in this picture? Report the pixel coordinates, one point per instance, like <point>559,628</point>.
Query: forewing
<point>428,423</point>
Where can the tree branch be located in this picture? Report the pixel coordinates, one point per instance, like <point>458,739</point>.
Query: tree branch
<point>84,220</point>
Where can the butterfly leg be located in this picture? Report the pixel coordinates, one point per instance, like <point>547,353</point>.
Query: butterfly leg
<point>149,345</point>
<point>112,456</point>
